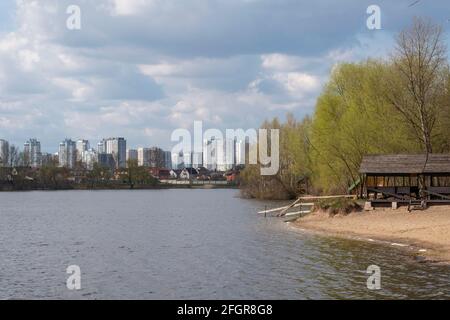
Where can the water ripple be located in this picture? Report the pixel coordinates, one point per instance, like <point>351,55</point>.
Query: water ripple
<point>188,244</point>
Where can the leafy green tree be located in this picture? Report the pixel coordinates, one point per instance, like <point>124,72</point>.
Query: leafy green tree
<point>397,105</point>
<point>135,174</point>
<point>294,163</point>
<point>353,118</point>
<point>99,175</point>
<point>52,176</point>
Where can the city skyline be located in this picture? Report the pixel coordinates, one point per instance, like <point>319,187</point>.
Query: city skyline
<point>219,154</point>
<point>53,149</point>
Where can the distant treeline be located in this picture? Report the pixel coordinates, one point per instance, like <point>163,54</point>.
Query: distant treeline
<point>396,105</point>
<point>52,177</point>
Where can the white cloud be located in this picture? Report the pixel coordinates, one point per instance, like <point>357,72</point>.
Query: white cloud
<point>159,70</point>
<point>282,62</point>
<point>297,82</point>
<point>130,7</point>
<point>12,41</point>
<point>141,68</point>
<point>28,59</point>
<point>70,61</point>
<point>76,89</point>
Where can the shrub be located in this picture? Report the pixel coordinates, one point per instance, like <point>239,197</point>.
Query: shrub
<point>338,206</point>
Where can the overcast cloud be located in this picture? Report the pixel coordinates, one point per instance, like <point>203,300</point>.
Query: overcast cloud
<point>141,68</point>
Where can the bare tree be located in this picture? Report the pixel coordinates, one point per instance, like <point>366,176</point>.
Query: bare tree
<point>4,156</point>
<point>13,156</point>
<point>418,78</point>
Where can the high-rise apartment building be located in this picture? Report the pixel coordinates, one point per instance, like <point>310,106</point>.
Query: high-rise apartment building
<point>156,158</point>
<point>101,146</point>
<point>88,158</point>
<point>32,153</point>
<point>210,150</point>
<point>177,160</point>
<point>67,154</point>
<point>241,147</point>
<point>117,147</point>
<point>132,154</point>
<point>144,157</point>
<point>4,153</point>
<point>82,146</point>
<point>47,159</point>
<point>197,159</point>
<point>106,160</point>
<point>228,160</point>
<point>219,154</point>
<point>167,160</point>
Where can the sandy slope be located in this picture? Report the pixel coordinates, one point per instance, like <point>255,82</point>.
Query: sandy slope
<point>429,229</point>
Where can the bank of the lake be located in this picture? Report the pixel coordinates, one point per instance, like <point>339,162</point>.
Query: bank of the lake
<point>117,186</point>
<point>422,233</point>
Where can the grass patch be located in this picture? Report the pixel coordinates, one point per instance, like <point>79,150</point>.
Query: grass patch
<point>338,206</point>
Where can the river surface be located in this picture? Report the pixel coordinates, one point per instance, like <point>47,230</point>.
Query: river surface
<point>188,244</point>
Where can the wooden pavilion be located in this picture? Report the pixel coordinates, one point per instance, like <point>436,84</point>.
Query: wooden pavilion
<point>406,178</point>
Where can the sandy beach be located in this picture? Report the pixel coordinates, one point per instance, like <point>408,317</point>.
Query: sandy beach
<point>426,233</point>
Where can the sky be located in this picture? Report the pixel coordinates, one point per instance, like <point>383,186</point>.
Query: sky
<point>141,68</point>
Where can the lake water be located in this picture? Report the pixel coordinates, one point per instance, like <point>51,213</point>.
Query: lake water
<point>187,244</point>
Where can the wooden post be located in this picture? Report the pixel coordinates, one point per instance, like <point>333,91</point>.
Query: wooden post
<point>368,206</point>
<point>362,180</point>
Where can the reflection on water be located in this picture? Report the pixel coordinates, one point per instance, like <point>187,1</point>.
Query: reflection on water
<point>187,244</point>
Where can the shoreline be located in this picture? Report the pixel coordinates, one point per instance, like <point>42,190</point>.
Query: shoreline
<point>424,234</point>
<point>125,187</point>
